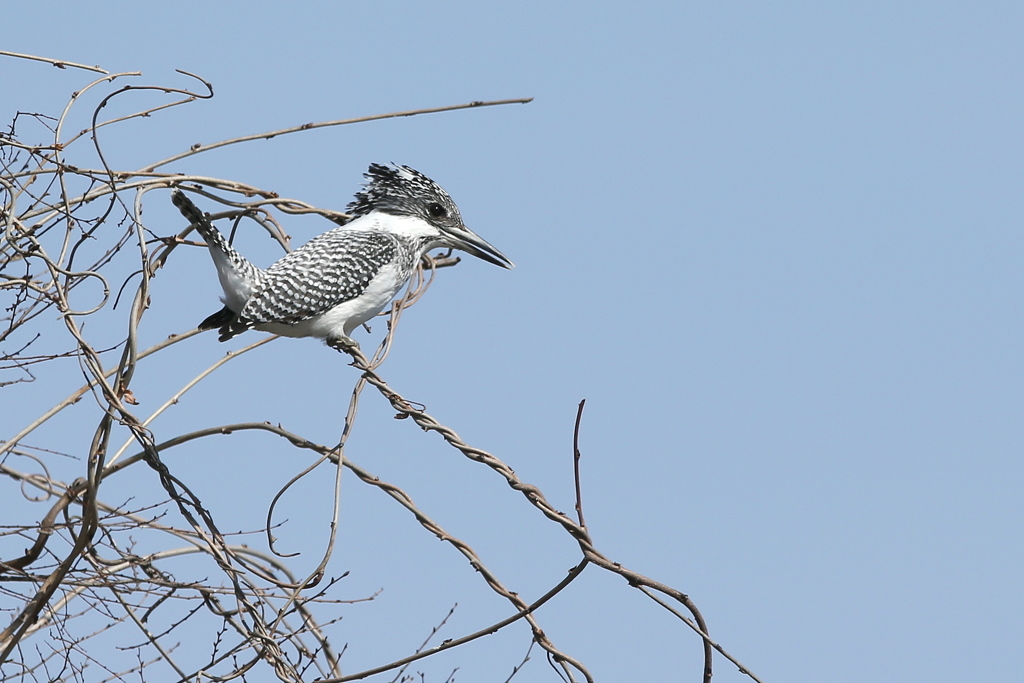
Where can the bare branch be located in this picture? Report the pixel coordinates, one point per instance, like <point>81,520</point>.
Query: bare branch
<point>576,463</point>
<point>198,148</point>
<point>59,63</point>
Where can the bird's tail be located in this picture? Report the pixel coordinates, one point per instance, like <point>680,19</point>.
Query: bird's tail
<point>201,222</point>
<point>238,276</point>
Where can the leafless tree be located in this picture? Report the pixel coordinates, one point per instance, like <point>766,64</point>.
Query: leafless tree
<point>77,591</point>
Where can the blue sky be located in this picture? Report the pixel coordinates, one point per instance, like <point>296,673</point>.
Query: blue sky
<point>776,248</point>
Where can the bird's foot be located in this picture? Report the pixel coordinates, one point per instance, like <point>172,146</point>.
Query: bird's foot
<point>351,347</point>
<point>343,344</point>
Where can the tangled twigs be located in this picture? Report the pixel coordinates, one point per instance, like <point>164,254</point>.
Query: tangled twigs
<point>68,233</point>
<point>156,579</point>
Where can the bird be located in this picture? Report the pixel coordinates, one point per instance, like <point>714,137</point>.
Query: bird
<point>344,277</point>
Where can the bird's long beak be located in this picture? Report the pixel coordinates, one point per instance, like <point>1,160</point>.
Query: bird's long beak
<point>468,241</point>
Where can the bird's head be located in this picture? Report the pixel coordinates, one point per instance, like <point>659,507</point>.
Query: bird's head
<point>403,191</point>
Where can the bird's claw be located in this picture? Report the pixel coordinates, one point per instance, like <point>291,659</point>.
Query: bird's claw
<point>343,344</point>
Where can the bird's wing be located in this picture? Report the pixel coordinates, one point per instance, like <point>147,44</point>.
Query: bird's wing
<point>328,270</point>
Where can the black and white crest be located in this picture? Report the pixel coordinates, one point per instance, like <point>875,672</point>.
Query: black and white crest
<point>403,191</point>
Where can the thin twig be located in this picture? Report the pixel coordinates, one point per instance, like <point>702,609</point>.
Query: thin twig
<point>199,148</point>
<point>59,63</point>
<point>576,462</point>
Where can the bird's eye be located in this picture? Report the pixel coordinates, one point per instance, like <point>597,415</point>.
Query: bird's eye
<point>436,210</point>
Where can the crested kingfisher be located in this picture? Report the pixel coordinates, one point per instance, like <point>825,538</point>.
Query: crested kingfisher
<point>344,277</point>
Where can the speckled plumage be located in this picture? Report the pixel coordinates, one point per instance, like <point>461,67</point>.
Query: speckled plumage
<point>344,277</point>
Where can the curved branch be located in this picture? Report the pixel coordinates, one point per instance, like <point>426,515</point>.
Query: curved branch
<point>493,628</point>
